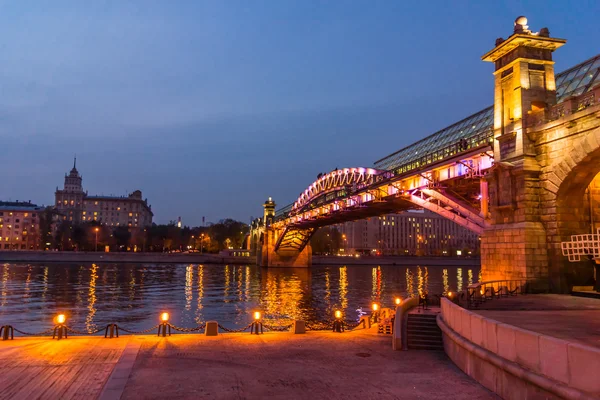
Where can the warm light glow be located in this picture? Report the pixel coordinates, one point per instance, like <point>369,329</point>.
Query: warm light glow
<point>375,307</point>
<point>481,291</point>
<point>338,314</point>
<point>164,317</point>
<point>449,294</point>
<point>61,318</point>
<point>398,301</point>
<point>257,315</point>
<point>96,229</point>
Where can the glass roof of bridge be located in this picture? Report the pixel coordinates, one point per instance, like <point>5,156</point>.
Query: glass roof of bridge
<point>477,128</point>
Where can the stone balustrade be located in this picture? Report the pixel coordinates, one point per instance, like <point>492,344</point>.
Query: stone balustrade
<point>565,108</point>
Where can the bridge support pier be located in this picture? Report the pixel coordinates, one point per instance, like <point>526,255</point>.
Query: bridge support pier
<point>269,257</point>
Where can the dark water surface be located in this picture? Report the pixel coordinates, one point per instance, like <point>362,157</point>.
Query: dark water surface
<point>133,295</point>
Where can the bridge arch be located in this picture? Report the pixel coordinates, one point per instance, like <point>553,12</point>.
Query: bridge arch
<point>570,201</point>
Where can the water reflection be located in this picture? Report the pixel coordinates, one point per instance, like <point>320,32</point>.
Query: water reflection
<point>134,295</point>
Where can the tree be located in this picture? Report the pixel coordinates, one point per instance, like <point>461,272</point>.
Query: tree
<point>46,223</point>
<point>122,237</point>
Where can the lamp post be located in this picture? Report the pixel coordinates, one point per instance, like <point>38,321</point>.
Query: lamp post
<point>201,243</point>
<point>96,247</point>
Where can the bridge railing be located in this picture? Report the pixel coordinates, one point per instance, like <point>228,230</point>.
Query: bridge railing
<point>481,292</point>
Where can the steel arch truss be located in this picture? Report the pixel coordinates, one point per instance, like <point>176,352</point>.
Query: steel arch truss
<point>293,239</point>
<point>349,179</point>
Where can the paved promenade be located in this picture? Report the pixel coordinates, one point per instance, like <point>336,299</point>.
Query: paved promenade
<point>232,366</point>
<point>576,319</point>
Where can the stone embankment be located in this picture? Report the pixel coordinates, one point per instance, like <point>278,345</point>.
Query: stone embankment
<point>101,257</point>
<point>518,363</point>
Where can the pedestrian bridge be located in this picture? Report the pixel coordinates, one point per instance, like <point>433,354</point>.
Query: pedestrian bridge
<point>521,173</point>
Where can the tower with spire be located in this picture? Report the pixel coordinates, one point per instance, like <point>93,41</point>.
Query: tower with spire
<point>69,200</point>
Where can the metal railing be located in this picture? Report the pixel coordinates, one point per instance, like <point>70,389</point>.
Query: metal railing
<point>478,293</point>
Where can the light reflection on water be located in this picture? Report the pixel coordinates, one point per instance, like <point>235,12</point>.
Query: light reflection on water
<point>133,295</point>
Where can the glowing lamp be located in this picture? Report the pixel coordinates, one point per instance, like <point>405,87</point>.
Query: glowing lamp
<point>398,301</point>
<point>375,307</point>
<point>338,314</point>
<point>481,291</point>
<point>449,294</point>
<point>61,318</point>
<point>164,317</point>
<point>256,315</point>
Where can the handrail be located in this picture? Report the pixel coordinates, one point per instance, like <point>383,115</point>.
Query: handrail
<point>480,292</point>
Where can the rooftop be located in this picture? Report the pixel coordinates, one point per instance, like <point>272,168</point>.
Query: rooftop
<point>477,129</point>
<point>18,206</point>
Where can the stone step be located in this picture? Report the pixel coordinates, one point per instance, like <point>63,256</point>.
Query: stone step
<point>426,347</point>
<point>426,327</point>
<point>423,333</point>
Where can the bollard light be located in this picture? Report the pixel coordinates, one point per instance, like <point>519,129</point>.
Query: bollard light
<point>481,291</point>
<point>398,301</point>
<point>164,317</point>
<point>60,319</point>
<point>256,315</point>
<point>338,314</point>
<point>375,306</point>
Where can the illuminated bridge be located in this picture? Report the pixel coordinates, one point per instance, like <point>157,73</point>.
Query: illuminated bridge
<point>493,172</point>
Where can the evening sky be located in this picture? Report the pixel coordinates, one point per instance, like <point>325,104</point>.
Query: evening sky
<point>211,107</point>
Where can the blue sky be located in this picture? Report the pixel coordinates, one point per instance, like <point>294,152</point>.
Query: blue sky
<point>211,107</point>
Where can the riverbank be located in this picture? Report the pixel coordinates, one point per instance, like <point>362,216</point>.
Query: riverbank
<point>197,258</point>
<point>396,260</point>
<point>126,257</point>
<point>350,365</point>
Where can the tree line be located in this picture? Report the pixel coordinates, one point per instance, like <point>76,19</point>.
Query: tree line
<point>62,235</point>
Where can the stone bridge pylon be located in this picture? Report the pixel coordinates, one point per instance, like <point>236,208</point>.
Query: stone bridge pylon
<point>277,246</point>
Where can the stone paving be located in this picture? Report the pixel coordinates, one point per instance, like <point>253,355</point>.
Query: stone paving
<point>317,365</point>
<point>576,319</point>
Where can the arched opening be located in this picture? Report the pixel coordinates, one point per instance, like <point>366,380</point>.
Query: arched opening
<point>577,212</point>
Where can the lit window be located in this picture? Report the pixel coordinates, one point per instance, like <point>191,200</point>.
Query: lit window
<point>84,213</point>
<point>118,208</point>
<point>25,214</point>
<point>95,213</point>
<point>95,203</point>
<point>130,214</point>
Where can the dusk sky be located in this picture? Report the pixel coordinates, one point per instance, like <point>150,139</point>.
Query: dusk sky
<point>211,107</point>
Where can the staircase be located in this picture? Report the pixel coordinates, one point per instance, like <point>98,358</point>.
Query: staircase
<point>423,332</point>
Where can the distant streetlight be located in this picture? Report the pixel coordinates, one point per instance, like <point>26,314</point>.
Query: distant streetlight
<point>201,243</point>
<point>96,247</point>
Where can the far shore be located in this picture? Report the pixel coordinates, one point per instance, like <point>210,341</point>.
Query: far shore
<point>196,258</point>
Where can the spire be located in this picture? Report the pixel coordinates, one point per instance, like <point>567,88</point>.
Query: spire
<point>75,161</point>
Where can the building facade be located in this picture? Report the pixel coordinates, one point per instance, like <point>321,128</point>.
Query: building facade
<point>418,232</point>
<point>19,226</point>
<point>77,206</point>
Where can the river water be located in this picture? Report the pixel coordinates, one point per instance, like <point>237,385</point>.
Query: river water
<point>133,295</point>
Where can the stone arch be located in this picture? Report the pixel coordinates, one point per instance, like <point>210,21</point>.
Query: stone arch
<point>253,242</point>
<point>565,209</point>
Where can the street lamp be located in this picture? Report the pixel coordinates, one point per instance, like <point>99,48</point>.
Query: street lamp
<point>201,243</point>
<point>96,247</point>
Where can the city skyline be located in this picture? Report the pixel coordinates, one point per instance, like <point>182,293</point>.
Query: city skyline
<point>195,105</point>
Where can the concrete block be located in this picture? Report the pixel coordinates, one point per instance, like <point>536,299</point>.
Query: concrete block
<point>505,337</point>
<point>212,328</point>
<point>584,364</point>
<point>554,358</point>
<point>299,327</point>
<point>490,329</point>
<point>366,321</point>
<point>477,329</point>
<point>527,345</point>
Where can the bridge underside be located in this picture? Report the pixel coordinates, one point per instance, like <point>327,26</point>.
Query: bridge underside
<point>458,201</point>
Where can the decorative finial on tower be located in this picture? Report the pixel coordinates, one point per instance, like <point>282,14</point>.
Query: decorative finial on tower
<point>74,161</point>
<point>521,25</point>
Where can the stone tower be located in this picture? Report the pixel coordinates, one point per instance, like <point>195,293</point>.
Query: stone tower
<point>514,247</point>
